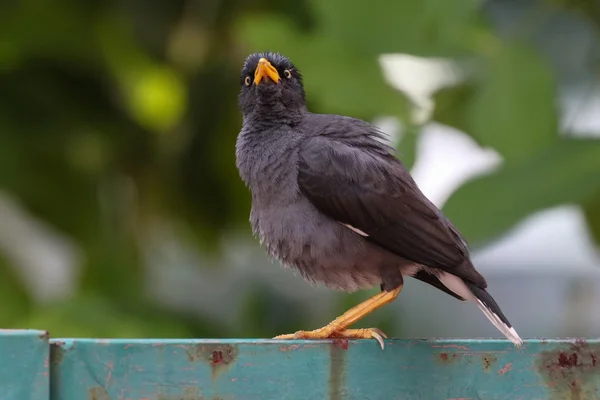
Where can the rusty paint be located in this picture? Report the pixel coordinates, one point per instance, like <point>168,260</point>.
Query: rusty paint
<point>341,343</point>
<point>573,374</point>
<point>45,335</point>
<point>98,393</point>
<point>488,361</point>
<point>505,369</point>
<point>219,356</point>
<point>337,364</point>
<point>57,352</point>
<point>447,358</point>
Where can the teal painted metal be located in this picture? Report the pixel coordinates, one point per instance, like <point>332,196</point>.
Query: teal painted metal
<point>79,369</point>
<point>335,370</point>
<point>24,365</point>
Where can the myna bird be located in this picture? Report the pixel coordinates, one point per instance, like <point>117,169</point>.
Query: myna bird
<point>331,201</point>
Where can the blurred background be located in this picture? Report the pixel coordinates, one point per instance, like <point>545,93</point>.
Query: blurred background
<point>122,213</point>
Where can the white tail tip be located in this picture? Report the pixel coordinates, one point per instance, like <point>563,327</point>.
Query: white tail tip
<point>507,331</point>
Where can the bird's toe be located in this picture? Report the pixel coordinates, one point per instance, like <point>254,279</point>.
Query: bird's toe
<point>364,333</point>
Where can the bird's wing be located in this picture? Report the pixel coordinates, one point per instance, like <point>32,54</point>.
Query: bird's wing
<point>355,180</point>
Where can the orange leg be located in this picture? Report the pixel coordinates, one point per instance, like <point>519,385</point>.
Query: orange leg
<point>337,327</point>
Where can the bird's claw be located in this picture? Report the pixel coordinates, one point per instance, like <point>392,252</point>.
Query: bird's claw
<point>364,333</point>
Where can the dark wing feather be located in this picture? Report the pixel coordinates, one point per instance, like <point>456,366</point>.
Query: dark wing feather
<point>354,179</point>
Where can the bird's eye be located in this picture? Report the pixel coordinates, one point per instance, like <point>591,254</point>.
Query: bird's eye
<point>287,73</point>
<point>247,81</point>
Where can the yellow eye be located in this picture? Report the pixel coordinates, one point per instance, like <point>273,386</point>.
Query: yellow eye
<point>247,81</point>
<point>287,73</point>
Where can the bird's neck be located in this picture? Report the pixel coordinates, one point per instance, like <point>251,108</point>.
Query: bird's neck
<point>274,115</point>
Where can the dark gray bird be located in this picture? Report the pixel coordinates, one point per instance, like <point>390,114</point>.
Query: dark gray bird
<point>331,201</point>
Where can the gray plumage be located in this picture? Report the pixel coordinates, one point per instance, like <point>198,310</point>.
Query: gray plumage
<point>331,200</point>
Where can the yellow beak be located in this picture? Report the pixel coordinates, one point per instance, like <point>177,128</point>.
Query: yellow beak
<point>265,69</point>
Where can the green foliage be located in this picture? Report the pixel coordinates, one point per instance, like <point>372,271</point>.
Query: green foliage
<point>592,213</point>
<point>496,113</point>
<point>119,117</point>
<point>565,172</point>
<point>13,295</point>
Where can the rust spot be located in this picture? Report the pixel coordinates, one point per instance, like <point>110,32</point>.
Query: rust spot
<point>45,336</point>
<point>567,361</point>
<point>56,352</point>
<point>219,356</point>
<point>341,343</point>
<point>488,361</point>
<point>98,393</point>
<point>337,365</point>
<point>447,358</point>
<point>573,373</point>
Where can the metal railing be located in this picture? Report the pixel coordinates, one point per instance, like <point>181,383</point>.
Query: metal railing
<point>35,367</point>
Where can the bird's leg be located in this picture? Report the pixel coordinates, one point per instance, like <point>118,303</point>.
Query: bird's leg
<point>337,327</point>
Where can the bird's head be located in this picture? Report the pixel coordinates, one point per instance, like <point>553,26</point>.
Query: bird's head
<point>271,86</point>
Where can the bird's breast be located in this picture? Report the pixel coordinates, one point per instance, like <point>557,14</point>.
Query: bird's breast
<point>267,162</point>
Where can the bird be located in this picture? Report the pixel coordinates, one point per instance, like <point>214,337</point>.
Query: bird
<point>332,201</point>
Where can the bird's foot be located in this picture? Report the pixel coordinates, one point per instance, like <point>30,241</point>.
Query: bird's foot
<point>329,332</point>
<point>338,328</point>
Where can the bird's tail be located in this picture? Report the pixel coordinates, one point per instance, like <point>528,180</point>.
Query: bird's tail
<point>492,311</point>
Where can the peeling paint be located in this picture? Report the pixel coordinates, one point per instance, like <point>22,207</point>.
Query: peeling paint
<point>488,361</point>
<point>341,343</point>
<point>505,369</point>
<point>219,356</point>
<point>289,348</point>
<point>446,358</point>
<point>572,374</point>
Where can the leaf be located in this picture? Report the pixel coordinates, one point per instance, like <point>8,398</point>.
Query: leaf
<point>564,172</point>
<point>513,108</point>
<point>450,105</point>
<point>427,27</point>
<point>591,211</point>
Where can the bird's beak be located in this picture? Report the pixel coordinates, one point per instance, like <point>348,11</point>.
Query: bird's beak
<point>265,69</point>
